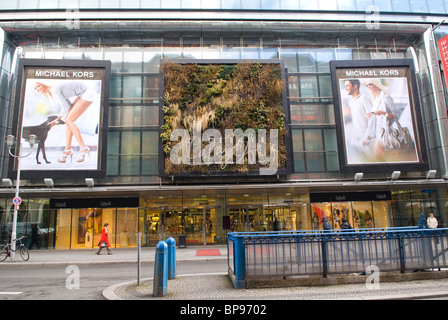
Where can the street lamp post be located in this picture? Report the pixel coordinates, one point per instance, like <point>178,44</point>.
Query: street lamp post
<point>10,142</point>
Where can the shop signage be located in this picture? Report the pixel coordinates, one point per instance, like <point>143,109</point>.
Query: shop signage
<point>350,196</point>
<point>443,49</point>
<point>78,203</point>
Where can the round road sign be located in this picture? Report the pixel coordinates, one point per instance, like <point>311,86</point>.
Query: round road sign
<point>17,201</point>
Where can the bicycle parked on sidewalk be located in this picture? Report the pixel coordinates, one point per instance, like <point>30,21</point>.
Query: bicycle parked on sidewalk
<point>6,250</point>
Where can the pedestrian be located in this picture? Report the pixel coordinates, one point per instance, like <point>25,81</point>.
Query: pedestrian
<point>326,224</point>
<point>422,222</point>
<point>432,221</point>
<point>35,238</point>
<point>345,225</point>
<point>104,241</point>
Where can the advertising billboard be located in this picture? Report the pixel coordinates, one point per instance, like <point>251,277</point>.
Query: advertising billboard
<point>224,118</point>
<point>378,118</point>
<point>65,104</point>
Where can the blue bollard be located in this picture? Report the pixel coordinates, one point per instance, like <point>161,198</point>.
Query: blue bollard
<point>171,242</point>
<point>239,262</point>
<point>161,270</point>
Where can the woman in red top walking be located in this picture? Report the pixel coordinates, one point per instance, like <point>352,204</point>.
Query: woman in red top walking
<point>104,242</point>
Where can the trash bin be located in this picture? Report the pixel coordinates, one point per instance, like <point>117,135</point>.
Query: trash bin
<point>182,241</point>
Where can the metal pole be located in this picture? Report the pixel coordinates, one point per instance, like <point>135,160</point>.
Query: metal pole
<point>139,262</point>
<point>14,218</point>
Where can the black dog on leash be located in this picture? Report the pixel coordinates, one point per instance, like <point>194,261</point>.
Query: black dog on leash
<point>41,131</point>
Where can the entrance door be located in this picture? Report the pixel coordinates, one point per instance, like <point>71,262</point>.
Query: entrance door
<point>248,219</point>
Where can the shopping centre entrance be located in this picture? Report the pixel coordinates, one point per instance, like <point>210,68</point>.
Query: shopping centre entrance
<point>202,218</point>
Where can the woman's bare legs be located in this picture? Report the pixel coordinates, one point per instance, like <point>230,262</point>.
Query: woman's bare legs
<point>79,107</point>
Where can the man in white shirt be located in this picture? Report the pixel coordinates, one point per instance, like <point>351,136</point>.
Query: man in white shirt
<point>432,221</point>
<point>360,137</point>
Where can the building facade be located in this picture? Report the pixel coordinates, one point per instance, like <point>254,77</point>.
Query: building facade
<point>306,37</point>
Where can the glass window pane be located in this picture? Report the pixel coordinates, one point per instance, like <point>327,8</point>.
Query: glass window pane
<point>130,165</point>
<point>289,4</point>
<point>311,114</point>
<point>269,53</point>
<point>313,140</point>
<point>346,5</point>
<point>290,58</point>
<point>308,87</point>
<point>150,116</point>
<point>419,6</point>
<point>211,4</point>
<point>150,165</point>
<point>309,5</point>
<point>323,59</point>
<point>174,4</point>
<point>116,60</point>
<point>315,162</point>
<point>150,4</point>
<point>150,142</point>
<point>86,4</point>
<point>115,87</point>
<point>151,89</point>
<point>363,5</point>
<point>113,149</point>
<point>231,4</point>
<point>437,6</point>
<point>151,60</point>
<point>251,4</point>
<point>270,4</point>
<point>130,142</point>
<point>293,85</point>
<point>191,4</point>
<point>325,86</point>
<point>131,116</point>
<point>112,165</point>
<point>307,62</point>
<point>132,61</point>
<point>297,140</point>
<point>332,161</point>
<point>384,5</point>
<point>299,162</point>
<point>328,5</point>
<point>132,87</point>
<point>401,6</point>
<point>330,140</point>
<point>296,114</point>
<point>327,113</point>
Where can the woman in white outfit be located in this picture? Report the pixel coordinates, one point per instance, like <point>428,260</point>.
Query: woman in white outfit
<point>385,113</point>
<point>60,93</point>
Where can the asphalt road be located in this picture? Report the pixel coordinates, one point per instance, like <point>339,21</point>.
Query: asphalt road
<point>85,282</point>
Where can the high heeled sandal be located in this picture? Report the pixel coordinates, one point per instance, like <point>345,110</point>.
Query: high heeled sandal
<point>63,159</point>
<point>83,152</point>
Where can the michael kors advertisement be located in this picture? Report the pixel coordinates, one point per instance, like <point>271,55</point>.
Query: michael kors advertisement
<point>63,104</point>
<point>378,116</point>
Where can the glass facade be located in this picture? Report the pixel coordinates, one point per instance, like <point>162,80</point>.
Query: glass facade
<point>405,6</point>
<point>215,206</point>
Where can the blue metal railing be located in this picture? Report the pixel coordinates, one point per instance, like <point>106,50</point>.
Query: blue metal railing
<point>274,254</point>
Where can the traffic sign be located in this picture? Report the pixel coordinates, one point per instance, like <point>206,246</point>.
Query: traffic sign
<point>17,201</point>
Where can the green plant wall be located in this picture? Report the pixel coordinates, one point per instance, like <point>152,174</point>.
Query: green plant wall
<point>222,96</point>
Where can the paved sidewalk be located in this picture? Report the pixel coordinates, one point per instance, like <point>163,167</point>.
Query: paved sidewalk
<point>218,286</point>
<point>126,255</point>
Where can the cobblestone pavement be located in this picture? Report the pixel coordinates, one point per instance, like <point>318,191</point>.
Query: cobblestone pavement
<point>220,287</point>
